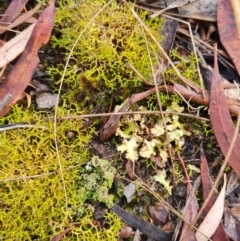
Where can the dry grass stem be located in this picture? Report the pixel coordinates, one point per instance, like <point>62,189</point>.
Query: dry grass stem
<point>194,50</point>
<point>18,126</point>
<point>165,55</point>
<point>155,112</point>
<point>58,98</point>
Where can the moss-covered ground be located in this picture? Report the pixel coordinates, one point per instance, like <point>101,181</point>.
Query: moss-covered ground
<point>42,191</point>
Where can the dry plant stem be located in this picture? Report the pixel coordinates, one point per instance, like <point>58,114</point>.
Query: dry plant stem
<point>236,12</point>
<point>124,113</point>
<point>160,105</point>
<point>220,173</point>
<point>58,98</point>
<point>174,14</point>
<point>18,126</point>
<point>197,98</point>
<point>38,175</point>
<point>184,168</point>
<point>194,50</point>
<point>144,81</point>
<point>221,53</point>
<point>160,199</point>
<point>187,102</point>
<point>182,78</point>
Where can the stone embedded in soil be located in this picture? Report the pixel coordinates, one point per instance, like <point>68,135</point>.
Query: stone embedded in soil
<point>129,191</point>
<point>46,100</point>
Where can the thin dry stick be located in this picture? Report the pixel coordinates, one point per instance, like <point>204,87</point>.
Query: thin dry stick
<point>182,78</point>
<point>187,102</point>
<point>58,97</point>
<point>155,112</point>
<point>38,175</point>
<point>194,50</point>
<point>18,126</point>
<point>138,74</point>
<point>160,199</point>
<point>236,12</point>
<point>221,171</point>
<point>159,103</point>
<point>220,52</point>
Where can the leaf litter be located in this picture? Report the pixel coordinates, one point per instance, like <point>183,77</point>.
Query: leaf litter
<point>220,233</point>
<point>221,120</point>
<point>22,72</point>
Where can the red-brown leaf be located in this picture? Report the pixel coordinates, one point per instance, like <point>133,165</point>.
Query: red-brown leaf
<point>13,10</point>
<point>221,120</point>
<point>191,208</point>
<point>21,74</point>
<point>220,234</point>
<point>232,224</point>
<point>228,31</point>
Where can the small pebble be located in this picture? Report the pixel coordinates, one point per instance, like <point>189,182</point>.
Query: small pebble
<point>46,100</point>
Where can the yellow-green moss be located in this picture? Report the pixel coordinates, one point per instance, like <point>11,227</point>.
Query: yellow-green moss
<point>93,232</point>
<point>32,201</point>
<point>99,63</point>
<point>187,67</point>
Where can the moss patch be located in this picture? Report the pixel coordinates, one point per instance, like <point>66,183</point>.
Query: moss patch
<point>32,197</point>
<point>99,63</point>
<point>29,204</point>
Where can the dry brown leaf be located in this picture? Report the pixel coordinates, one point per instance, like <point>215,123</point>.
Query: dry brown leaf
<point>210,223</point>
<point>191,208</point>
<point>11,49</point>
<point>13,10</point>
<point>221,120</point>
<point>220,234</point>
<point>232,225</point>
<point>21,19</point>
<point>158,214</point>
<point>21,74</point>
<point>228,31</point>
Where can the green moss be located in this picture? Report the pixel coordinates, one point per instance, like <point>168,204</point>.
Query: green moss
<point>29,204</point>
<point>187,67</point>
<point>34,207</point>
<point>177,172</point>
<point>99,63</point>
<point>93,232</point>
<point>165,99</point>
<point>32,198</point>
